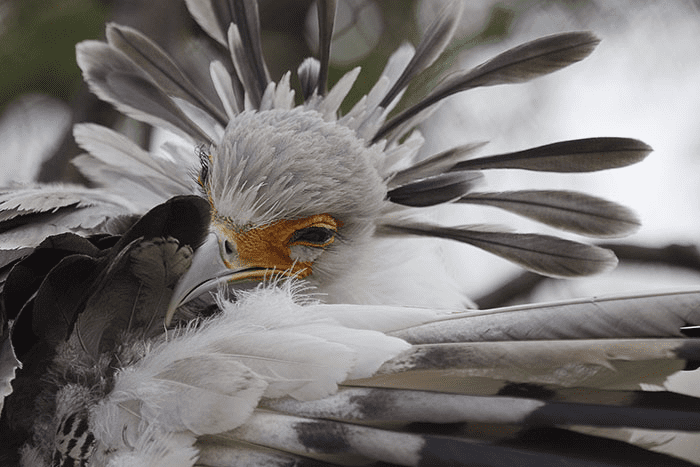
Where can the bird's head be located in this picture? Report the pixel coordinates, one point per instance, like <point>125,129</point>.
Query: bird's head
<point>301,190</point>
<point>291,195</point>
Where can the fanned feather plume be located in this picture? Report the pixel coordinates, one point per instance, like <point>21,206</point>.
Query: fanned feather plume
<point>160,67</point>
<point>117,80</point>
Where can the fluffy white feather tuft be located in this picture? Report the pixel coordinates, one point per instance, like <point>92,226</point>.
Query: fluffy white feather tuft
<point>265,344</point>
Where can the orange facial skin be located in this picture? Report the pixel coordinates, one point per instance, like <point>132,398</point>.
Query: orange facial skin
<point>269,248</point>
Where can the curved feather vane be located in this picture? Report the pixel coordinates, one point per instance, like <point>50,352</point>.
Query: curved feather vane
<point>434,190</point>
<point>118,80</point>
<point>582,155</point>
<point>522,63</point>
<point>111,154</point>
<point>567,210</point>
<point>437,37</point>
<point>324,346</point>
<point>31,214</point>
<point>434,165</point>
<point>544,254</point>
<point>156,63</point>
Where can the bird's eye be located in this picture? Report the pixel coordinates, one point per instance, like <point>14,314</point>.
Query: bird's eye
<point>228,247</point>
<point>313,236</point>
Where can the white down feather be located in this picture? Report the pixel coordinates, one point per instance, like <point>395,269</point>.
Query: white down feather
<point>208,378</point>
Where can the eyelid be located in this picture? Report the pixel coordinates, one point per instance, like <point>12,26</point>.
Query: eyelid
<point>321,225</point>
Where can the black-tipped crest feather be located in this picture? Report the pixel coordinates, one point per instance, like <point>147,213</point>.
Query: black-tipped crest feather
<point>567,210</point>
<point>437,37</point>
<point>434,165</point>
<point>580,155</point>
<point>519,64</point>
<point>543,254</point>
<point>434,190</point>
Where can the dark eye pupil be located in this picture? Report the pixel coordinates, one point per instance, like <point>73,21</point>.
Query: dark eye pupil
<point>313,235</point>
<point>228,247</point>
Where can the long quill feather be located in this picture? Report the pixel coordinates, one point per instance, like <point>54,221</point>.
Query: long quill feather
<point>543,254</point>
<point>517,65</point>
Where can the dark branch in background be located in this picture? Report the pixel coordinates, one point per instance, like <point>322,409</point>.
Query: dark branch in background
<point>518,288</point>
<point>682,256</point>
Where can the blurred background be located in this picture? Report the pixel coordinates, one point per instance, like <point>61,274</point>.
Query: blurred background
<point>643,81</point>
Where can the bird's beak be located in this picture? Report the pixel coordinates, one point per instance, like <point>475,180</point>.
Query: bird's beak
<point>207,272</point>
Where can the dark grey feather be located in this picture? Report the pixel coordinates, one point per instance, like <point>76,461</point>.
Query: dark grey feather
<point>309,72</point>
<point>434,190</point>
<point>434,165</point>
<point>118,80</point>
<point>438,35</point>
<point>326,19</point>
<point>135,91</point>
<point>246,49</point>
<point>567,210</point>
<point>544,254</point>
<point>527,61</point>
<point>216,17</point>
<point>247,19</point>
<point>579,155</point>
<point>136,288</point>
<point>161,68</point>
